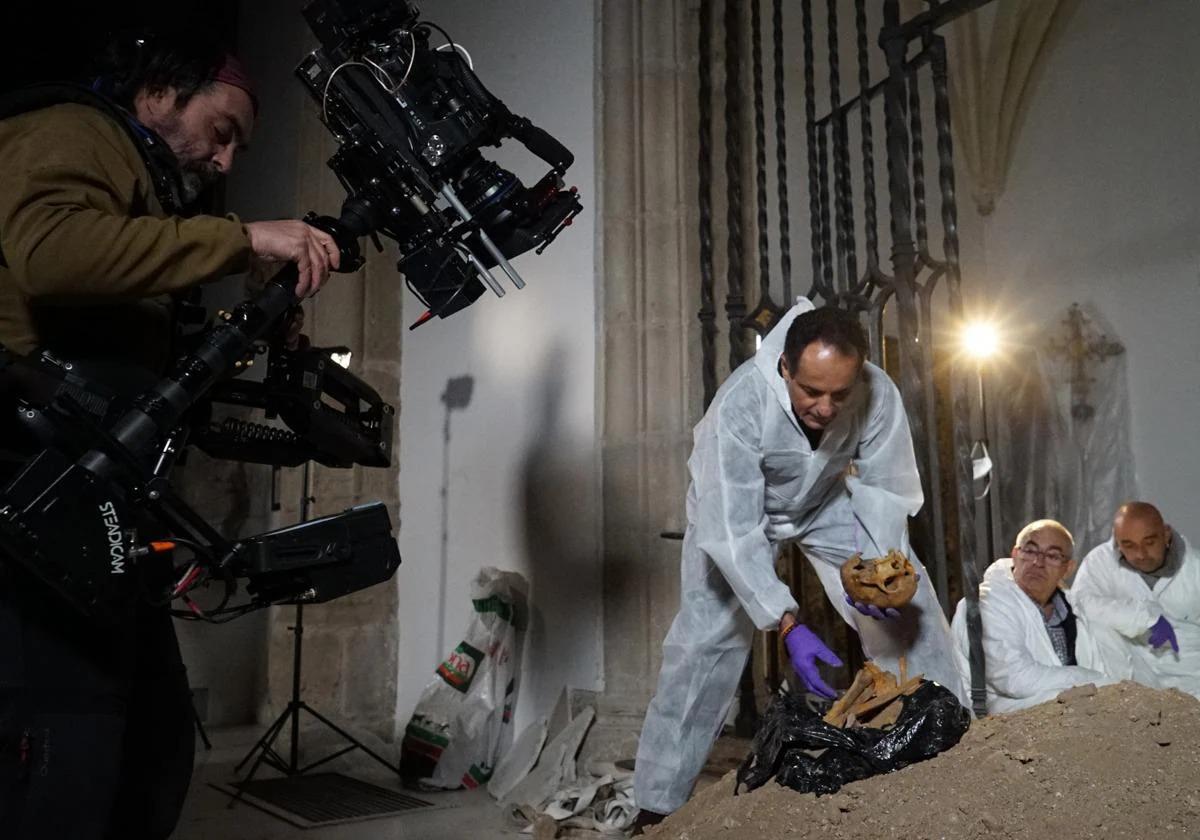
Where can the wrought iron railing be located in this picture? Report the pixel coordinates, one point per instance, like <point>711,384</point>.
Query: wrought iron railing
<point>911,311</point>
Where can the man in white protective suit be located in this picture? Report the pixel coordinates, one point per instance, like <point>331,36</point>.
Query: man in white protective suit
<point>1139,597</point>
<point>1030,632</point>
<point>806,441</point>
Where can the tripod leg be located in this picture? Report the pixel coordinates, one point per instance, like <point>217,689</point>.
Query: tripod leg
<point>263,748</point>
<point>349,737</point>
<point>200,728</point>
<point>268,737</point>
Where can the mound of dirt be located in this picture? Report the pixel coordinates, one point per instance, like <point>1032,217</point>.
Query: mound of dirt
<point>1120,761</point>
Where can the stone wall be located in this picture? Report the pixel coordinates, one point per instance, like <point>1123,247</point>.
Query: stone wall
<point>650,340</point>
<point>350,644</point>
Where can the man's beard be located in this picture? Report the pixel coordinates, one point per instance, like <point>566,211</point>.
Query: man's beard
<point>194,180</point>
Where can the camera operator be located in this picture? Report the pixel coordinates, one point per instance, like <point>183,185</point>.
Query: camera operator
<point>95,721</point>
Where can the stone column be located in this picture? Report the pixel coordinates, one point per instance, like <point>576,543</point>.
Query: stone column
<point>650,374</point>
<point>350,644</point>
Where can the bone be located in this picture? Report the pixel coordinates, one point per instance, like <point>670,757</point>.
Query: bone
<point>837,712</point>
<point>888,715</point>
<point>881,680</point>
<point>872,704</point>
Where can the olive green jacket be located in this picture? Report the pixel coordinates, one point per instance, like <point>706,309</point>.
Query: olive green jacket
<point>90,252</point>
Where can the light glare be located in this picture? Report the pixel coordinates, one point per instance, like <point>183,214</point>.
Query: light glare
<point>980,340</point>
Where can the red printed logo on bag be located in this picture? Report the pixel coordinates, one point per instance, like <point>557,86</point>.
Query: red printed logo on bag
<point>459,668</point>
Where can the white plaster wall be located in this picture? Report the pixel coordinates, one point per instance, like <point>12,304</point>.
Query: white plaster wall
<point>1103,206</point>
<point>521,458</point>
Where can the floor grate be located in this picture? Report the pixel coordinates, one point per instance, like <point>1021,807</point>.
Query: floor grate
<point>323,799</point>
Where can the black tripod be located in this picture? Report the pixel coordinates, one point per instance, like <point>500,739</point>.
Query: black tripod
<point>264,747</point>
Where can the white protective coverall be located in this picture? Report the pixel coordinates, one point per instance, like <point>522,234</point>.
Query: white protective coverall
<point>1118,608</point>
<point>1021,665</point>
<point>756,482</point>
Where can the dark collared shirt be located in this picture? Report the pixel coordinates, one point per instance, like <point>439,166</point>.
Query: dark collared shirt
<point>1060,625</point>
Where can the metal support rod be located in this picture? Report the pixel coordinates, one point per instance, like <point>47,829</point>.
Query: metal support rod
<point>785,236</point>
<point>488,245</point>
<point>486,276</point>
<point>735,302</point>
<point>935,18</point>
<point>900,197</point>
<point>263,751</point>
<point>870,217</point>
<point>917,61</point>
<point>826,280</point>
<point>708,313</point>
<point>920,216</point>
<point>760,157</point>
<point>298,628</point>
<point>843,192</point>
<point>735,305</point>
<point>810,133</point>
<point>908,315</point>
<point>936,560</point>
<point>960,401</point>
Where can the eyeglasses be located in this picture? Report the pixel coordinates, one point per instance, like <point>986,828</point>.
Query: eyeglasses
<point>1051,557</point>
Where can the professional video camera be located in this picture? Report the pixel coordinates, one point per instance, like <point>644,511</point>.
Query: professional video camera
<point>93,501</point>
<point>410,120</point>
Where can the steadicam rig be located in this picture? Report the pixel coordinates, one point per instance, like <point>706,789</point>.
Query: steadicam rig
<point>90,504</point>
<point>92,512</point>
<point>410,120</point>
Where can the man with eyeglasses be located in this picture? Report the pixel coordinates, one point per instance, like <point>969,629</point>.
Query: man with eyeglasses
<point>1139,596</point>
<point>1030,633</point>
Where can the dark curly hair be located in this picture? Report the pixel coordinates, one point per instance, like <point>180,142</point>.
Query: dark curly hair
<point>834,327</point>
<point>182,58</point>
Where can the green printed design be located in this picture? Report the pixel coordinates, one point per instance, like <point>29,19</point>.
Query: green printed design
<point>426,735</point>
<point>495,604</point>
<point>480,774</point>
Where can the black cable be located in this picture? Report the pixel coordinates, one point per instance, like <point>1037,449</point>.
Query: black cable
<point>449,40</point>
<point>221,616</point>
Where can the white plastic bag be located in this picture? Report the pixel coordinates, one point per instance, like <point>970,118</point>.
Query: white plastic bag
<point>454,737</point>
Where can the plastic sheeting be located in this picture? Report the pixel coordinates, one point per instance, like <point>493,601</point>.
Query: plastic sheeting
<point>1060,452</point>
<point>799,750</point>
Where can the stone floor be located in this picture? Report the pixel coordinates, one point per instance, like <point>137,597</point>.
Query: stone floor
<point>460,815</point>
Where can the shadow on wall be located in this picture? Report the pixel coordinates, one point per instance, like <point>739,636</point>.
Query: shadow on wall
<point>456,397</point>
<point>558,530</point>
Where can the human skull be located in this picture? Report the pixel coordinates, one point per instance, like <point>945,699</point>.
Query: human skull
<point>889,581</point>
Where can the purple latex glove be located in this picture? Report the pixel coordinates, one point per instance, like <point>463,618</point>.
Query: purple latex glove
<point>872,610</point>
<point>1161,633</point>
<point>804,649</point>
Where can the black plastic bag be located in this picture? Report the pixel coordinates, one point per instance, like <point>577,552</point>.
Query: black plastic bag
<point>790,733</point>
